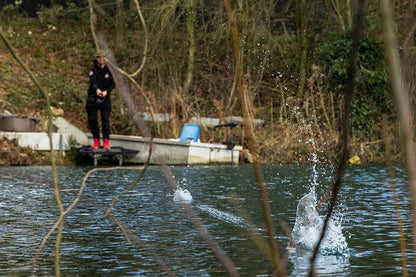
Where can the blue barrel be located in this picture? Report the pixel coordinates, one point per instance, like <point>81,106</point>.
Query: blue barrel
<point>190,132</point>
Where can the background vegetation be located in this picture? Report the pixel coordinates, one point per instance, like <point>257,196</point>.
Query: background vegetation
<point>294,61</point>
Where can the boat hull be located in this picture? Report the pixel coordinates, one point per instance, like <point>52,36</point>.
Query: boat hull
<point>174,152</point>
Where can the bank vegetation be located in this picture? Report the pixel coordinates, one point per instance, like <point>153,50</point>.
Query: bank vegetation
<point>293,60</point>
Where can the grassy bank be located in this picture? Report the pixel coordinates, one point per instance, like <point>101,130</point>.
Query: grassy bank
<point>61,54</point>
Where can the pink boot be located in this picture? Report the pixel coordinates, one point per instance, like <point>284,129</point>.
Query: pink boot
<point>96,144</point>
<point>106,144</point>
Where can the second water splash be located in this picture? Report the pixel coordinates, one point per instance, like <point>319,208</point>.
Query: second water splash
<point>182,195</point>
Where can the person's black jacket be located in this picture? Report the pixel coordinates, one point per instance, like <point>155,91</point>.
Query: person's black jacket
<point>100,78</point>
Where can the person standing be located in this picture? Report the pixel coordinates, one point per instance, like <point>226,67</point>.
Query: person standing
<point>98,100</point>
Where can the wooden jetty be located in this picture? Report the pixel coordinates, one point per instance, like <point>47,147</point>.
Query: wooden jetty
<point>118,154</point>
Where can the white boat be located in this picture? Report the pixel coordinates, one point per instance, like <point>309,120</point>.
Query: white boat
<point>175,152</point>
<point>187,150</point>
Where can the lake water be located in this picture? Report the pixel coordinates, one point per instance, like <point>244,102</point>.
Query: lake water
<point>367,242</point>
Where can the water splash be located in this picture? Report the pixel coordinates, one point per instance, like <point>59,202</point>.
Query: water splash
<point>314,171</point>
<point>308,227</point>
<point>333,258</point>
<point>182,196</point>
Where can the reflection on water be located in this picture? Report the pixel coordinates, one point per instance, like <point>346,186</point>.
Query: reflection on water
<point>325,265</point>
<point>94,246</point>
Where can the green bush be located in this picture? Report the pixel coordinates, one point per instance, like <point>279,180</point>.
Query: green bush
<point>372,95</point>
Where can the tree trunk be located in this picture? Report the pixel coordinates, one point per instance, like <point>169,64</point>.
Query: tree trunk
<point>190,23</point>
<point>302,15</point>
<point>408,26</point>
<point>119,24</point>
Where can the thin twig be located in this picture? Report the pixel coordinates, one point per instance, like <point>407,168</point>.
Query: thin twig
<point>52,152</point>
<point>402,239</point>
<point>403,105</point>
<point>73,204</point>
<point>248,127</point>
<point>160,160</point>
<point>115,199</point>
<point>129,235</point>
<point>146,39</point>
<point>342,160</point>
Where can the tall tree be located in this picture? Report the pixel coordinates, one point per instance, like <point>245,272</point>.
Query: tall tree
<point>406,14</point>
<point>303,11</point>
<point>248,126</point>
<point>190,24</point>
<point>119,24</point>
<point>341,11</point>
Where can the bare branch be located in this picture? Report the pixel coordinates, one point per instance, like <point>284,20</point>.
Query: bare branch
<point>402,103</point>
<point>52,152</point>
<point>248,126</point>
<point>346,125</point>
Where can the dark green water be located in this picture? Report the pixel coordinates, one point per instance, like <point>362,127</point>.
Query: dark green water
<point>95,246</point>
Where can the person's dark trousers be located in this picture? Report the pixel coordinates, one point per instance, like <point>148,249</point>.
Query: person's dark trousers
<point>105,111</point>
